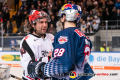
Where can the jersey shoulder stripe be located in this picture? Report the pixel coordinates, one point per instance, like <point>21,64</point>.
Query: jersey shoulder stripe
<point>28,49</point>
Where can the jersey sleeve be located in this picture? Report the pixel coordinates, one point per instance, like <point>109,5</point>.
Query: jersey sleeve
<point>63,53</point>
<point>51,37</point>
<point>24,57</point>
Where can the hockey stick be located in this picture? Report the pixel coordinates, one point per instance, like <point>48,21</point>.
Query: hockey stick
<point>13,76</point>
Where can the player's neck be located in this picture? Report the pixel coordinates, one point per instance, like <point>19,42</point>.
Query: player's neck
<point>38,35</point>
<point>69,24</point>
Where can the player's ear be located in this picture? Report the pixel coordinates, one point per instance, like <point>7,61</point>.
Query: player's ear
<point>64,17</point>
<point>61,19</point>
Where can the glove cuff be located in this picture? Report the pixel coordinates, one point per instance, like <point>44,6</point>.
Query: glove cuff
<point>39,70</point>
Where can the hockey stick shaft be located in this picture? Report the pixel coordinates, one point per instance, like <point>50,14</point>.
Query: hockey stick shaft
<point>13,76</point>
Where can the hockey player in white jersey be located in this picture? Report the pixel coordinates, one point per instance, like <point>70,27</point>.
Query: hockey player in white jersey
<point>37,45</point>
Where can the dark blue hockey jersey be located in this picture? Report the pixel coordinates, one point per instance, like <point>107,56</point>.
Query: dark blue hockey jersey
<point>71,52</point>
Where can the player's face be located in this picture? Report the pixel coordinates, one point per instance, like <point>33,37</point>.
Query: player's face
<point>41,26</point>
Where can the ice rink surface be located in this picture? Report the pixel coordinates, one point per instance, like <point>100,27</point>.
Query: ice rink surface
<point>18,72</point>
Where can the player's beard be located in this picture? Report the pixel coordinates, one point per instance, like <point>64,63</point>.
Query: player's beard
<point>40,33</point>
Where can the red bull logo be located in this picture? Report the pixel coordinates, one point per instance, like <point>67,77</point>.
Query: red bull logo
<point>67,6</point>
<point>77,15</point>
<point>62,40</point>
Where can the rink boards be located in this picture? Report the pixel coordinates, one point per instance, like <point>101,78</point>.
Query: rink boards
<point>97,60</point>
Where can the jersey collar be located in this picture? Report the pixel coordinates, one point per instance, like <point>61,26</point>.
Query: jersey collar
<point>38,36</point>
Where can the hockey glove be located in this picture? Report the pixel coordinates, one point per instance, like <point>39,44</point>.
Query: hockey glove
<point>36,69</point>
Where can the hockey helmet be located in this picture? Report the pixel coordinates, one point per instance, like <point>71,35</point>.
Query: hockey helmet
<point>37,15</point>
<point>71,11</point>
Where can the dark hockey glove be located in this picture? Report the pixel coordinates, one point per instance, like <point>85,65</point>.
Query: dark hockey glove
<point>36,69</point>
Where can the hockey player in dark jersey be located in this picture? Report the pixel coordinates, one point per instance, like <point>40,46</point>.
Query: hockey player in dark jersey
<point>71,50</point>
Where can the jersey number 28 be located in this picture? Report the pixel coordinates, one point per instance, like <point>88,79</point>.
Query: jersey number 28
<point>59,52</point>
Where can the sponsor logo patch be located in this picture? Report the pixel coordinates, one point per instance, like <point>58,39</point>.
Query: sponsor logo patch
<point>62,39</point>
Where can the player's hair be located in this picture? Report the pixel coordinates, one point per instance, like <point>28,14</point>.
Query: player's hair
<point>31,29</point>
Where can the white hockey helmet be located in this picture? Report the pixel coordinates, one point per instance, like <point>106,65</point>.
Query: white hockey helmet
<point>71,11</point>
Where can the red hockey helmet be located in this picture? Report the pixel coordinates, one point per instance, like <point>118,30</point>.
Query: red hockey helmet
<point>37,15</point>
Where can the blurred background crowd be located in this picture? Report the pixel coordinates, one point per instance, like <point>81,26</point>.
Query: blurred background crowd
<point>94,14</point>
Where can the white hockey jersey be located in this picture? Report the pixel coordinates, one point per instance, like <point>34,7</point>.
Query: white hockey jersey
<point>32,44</point>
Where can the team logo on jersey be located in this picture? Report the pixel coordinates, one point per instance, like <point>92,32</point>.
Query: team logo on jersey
<point>72,74</point>
<point>44,53</point>
<point>62,40</point>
